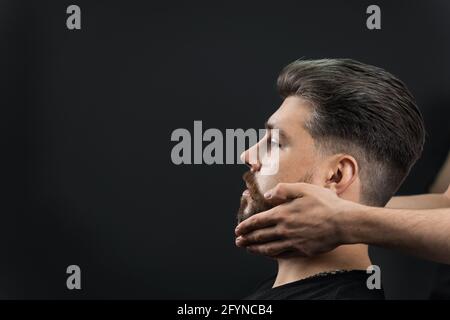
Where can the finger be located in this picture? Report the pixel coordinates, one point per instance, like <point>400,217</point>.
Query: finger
<point>271,249</point>
<point>276,200</point>
<point>260,220</point>
<point>283,192</point>
<point>259,236</point>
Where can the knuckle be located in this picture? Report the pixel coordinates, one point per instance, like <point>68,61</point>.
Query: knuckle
<point>282,187</point>
<point>285,224</point>
<point>278,232</point>
<point>290,234</point>
<point>281,229</point>
<point>281,213</point>
<point>276,215</point>
<point>290,221</point>
<point>297,204</point>
<point>279,188</point>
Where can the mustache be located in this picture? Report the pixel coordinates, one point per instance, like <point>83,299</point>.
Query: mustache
<point>258,202</point>
<point>250,180</point>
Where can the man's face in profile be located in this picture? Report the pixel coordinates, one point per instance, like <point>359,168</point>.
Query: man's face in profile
<point>297,157</point>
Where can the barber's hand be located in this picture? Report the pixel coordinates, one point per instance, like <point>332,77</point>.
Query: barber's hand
<point>304,223</point>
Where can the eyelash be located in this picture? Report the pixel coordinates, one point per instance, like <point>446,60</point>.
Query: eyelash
<point>274,142</point>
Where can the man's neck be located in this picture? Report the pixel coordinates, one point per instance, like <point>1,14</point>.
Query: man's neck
<point>347,257</point>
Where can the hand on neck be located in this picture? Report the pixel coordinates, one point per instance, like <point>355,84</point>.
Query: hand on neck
<point>346,257</point>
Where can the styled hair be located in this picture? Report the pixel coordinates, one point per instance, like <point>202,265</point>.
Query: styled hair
<point>361,110</point>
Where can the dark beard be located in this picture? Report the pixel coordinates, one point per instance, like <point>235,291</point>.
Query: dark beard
<point>257,202</point>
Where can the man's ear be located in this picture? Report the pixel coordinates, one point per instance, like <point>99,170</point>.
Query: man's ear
<point>343,170</point>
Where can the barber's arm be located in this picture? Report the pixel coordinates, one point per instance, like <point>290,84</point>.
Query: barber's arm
<point>422,201</point>
<point>311,220</point>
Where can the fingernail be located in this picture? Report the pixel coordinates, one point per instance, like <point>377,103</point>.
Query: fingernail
<point>268,195</point>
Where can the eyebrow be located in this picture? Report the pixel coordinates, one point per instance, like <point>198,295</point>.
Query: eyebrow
<point>269,126</point>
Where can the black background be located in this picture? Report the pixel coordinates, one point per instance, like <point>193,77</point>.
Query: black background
<point>87,117</point>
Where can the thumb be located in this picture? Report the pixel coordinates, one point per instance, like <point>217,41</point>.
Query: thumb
<point>284,192</point>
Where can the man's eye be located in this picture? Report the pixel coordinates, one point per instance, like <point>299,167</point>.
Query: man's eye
<point>275,143</point>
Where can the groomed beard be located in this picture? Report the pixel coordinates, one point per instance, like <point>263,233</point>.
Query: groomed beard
<point>255,202</point>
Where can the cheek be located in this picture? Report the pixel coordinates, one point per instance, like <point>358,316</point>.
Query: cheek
<point>291,169</point>
<point>265,183</point>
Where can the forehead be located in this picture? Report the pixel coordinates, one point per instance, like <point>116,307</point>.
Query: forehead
<point>291,115</point>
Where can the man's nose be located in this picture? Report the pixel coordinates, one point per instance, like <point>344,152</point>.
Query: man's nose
<point>250,158</point>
